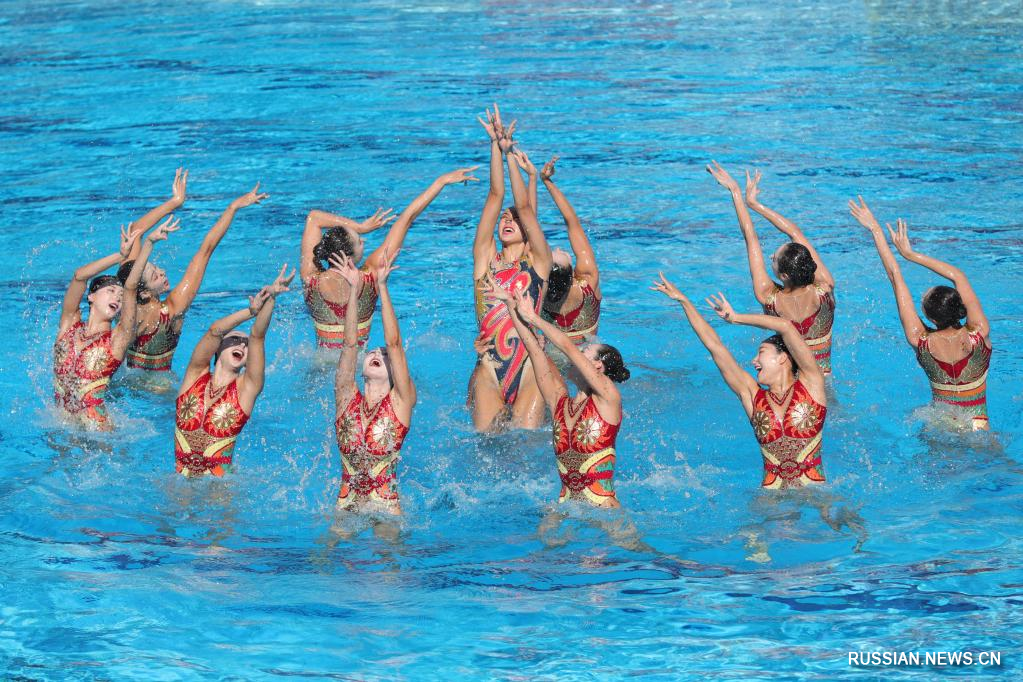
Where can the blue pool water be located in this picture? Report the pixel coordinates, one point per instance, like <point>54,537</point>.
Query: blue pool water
<point>115,568</point>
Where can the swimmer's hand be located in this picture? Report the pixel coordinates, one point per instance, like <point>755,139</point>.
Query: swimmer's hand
<point>547,172</point>
<point>253,196</point>
<point>722,307</point>
<point>863,214</point>
<point>344,266</point>
<point>257,301</point>
<point>524,307</point>
<point>281,284</point>
<point>462,175</point>
<point>752,188</point>
<point>900,237</point>
<point>385,266</point>
<point>722,176</point>
<point>179,187</point>
<point>483,344</point>
<point>524,162</point>
<point>668,289</point>
<point>128,238</point>
<point>377,220</point>
<point>172,224</point>
<point>493,124</point>
<point>495,289</point>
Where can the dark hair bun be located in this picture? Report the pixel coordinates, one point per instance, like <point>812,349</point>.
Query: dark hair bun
<point>335,241</point>
<point>559,283</point>
<point>614,366</point>
<point>944,307</point>
<point>798,266</point>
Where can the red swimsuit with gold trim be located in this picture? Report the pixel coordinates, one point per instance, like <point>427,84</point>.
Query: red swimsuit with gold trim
<point>329,316</point>
<point>815,329</point>
<point>579,324</point>
<point>370,446</point>
<point>81,377</point>
<point>962,384</point>
<point>791,446</point>
<point>154,350</point>
<point>207,427</point>
<point>585,453</point>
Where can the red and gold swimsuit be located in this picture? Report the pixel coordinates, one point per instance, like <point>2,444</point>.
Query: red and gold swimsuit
<point>81,377</point>
<point>815,329</point>
<point>206,428</point>
<point>154,350</point>
<point>579,324</point>
<point>370,446</point>
<point>586,453</point>
<point>329,316</point>
<point>961,384</point>
<point>790,447</point>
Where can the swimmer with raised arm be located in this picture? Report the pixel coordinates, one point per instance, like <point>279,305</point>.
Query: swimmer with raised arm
<point>371,424</point>
<point>503,384</point>
<point>158,321</point>
<point>954,357</point>
<point>806,295</point>
<point>328,236</point>
<point>213,406</point>
<point>88,352</point>
<point>787,416</point>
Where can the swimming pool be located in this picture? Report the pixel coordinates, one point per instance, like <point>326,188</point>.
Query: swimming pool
<point>115,568</point>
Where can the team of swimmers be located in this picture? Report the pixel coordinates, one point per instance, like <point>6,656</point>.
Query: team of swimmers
<point>538,316</point>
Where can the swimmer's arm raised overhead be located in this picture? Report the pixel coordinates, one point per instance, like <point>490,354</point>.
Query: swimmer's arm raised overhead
<point>317,221</point>
<point>526,165</point>
<point>539,249</point>
<point>344,375</point>
<point>741,382</point>
<point>787,227</point>
<point>70,310</point>
<point>484,249</point>
<point>585,262</point>
<point>763,285</point>
<point>124,333</point>
<point>975,316</point>
<point>396,235</point>
<point>207,347</point>
<point>403,384</point>
<point>177,200</point>
<point>255,366</point>
<point>912,325</point>
<point>182,295</point>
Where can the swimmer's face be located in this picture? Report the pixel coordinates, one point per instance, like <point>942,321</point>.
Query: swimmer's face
<point>358,245</point>
<point>769,362</point>
<point>590,350</point>
<point>106,302</point>
<point>375,365</point>
<point>234,357</point>
<point>154,278</point>
<point>562,258</point>
<point>508,229</point>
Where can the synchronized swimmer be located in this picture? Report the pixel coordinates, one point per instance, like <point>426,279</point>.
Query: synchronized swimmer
<point>537,314</point>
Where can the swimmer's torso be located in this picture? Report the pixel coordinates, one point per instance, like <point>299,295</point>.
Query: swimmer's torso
<point>82,369</point>
<point>790,446</point>
<point>207,426</point>
<point>815,328</point>
<point>154,349</point>
<point>585,451</point>
<point>329,316</point>
<point>370,445</point>
<point>961,384</point>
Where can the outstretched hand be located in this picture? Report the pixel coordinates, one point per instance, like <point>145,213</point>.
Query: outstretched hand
<point>495,289</point>
<point>524,307</point>
<point>178,189</point>
<point>385,266</point>
<point>668,289</point>
<point>253,196</point>
<point>462,175</point>
<point>524,162</point>
<point>172,224</point>
<point>378,219</point>
<point>863,214</point>
<point>722,176</point>
<point>547,172</point>
<point>483,344</point>
<point>281,284</point>
<point>258,300</point>
<point>900,237</point>
<point>493,124</point>
<point>344,266</point>
<point>128,238</point>
<point>722,307</point>
<point>752,188</point>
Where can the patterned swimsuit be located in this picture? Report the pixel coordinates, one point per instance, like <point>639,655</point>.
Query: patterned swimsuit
<point>370,446</point>
<point>81,376</point>
<point>579,324</point>
<point>329,317</point>
<point>815,329</point>
<point>155,350</point>
<point>790,446</point>
<point>585,453</point>
<point>962,384</point>
<point>207,427</point>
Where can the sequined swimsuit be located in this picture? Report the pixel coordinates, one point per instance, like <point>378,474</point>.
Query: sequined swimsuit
<point>791,446</point>
<point>815,329</point>
<point>509,353</point>
<point>585,453</point>
<point>206,428</point>
<point>81,377</point>
<point>370,446</point>
<point>329,317</point>
<point>962,384</point>
<point>579,324</point>
<point>155,350</point>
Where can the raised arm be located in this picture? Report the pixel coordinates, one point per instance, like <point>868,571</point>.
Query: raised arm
<point>762,283</point>
<point>124,333</point>
<point>255,366</point>
<point>538,246</point>
<point>182,295</point>
<point>484,249</point>
<point>404,388</point>
<point>70,310</point>
<point>912,326</point>
<point>344,375</point>
<point>396,236</point>
<point>585,262</point>
<point>210,341</point>
<point>787,227</point>
<point>177,200</point>
<point>975,316</point>
<point>740,381</point>
<point>318,221</point>
<point>527,165</point>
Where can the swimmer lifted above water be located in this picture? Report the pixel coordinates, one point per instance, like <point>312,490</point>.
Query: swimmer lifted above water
<point>954,357</point>
<point>87,353</point>
<point>371,425</point>
<point>213,407</point>
<point>788,416</point>
<point>806,296</point>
